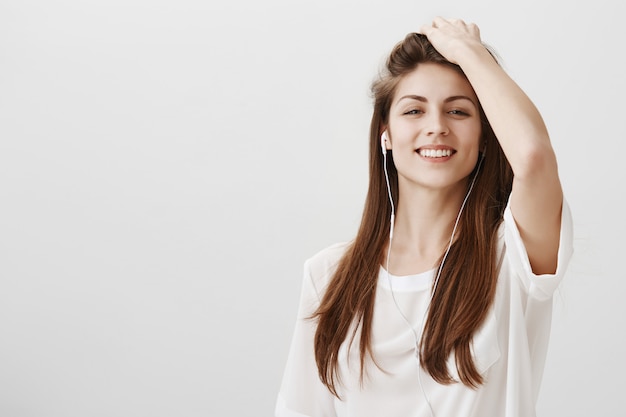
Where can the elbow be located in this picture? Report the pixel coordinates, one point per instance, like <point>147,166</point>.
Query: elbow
<point>536,160</point>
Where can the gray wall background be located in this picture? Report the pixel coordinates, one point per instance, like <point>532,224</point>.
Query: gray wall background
<point>167,166</point>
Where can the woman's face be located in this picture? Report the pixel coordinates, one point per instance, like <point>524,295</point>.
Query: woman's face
<point>434,128</point>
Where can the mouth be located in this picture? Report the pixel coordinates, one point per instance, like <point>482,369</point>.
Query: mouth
<point>431,153</point>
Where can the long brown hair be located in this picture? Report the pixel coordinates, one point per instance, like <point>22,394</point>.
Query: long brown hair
<point>467,284</point>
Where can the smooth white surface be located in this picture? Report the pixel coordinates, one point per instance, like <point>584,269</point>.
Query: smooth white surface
<point>166,167</point>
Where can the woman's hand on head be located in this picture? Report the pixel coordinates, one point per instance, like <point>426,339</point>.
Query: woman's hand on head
<point>452,37</point>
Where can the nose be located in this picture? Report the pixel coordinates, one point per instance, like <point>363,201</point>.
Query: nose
<point>437,124</point>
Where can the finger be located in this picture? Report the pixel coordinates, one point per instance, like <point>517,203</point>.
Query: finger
<point>439,22</point>
<point>474,29</point>
<point>426,30</point>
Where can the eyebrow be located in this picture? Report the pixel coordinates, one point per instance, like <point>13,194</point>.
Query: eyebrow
<point>425,100</point>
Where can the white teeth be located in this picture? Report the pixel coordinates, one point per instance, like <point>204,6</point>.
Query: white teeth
<point>435,153</point>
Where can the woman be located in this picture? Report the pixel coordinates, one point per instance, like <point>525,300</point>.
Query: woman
<point>441,306</point>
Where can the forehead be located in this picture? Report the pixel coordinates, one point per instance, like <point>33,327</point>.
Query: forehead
<point>435,82</point>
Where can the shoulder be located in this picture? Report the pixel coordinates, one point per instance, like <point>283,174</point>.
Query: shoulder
<point>321,266</point>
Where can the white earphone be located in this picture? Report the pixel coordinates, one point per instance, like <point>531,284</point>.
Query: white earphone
<point>383,142</point>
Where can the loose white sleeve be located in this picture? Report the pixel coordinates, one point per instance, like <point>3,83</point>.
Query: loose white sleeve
<point>540,287</point>
<point>302,394</point>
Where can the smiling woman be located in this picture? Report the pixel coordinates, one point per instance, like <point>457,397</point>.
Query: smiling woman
<point>442,303</point>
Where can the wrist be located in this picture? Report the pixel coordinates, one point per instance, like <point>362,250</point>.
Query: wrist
<point>474,53</point>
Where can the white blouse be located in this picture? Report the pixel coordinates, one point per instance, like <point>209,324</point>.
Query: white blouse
<point>509,350</point>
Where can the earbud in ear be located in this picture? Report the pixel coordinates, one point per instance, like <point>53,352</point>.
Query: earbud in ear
<point>383,142</point>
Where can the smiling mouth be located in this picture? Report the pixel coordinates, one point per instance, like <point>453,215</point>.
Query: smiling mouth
<point>435,153</point>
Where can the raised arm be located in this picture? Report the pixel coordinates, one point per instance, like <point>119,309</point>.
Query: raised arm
<point>537,197</point>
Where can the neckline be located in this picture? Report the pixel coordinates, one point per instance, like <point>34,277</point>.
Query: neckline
<point>405,283</point>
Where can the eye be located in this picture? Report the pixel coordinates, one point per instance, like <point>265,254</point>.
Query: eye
<point>458,112</point>
<point>413,112</point>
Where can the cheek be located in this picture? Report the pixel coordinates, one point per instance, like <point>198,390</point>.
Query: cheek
<point>472,134</point>
<point>402,135</point>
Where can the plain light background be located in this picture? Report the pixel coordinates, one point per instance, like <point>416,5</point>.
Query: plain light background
<point>166,167</point>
